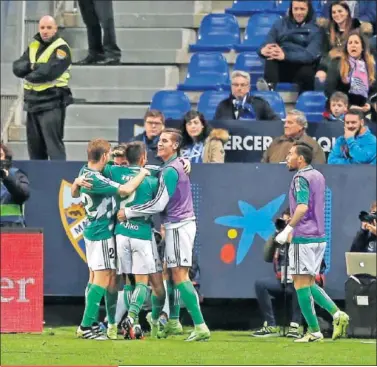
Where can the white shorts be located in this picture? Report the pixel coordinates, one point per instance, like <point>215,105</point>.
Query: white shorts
<point>137,256</point>
<point>100,255</point>
<point>306,258</point>
<point>179,243</point>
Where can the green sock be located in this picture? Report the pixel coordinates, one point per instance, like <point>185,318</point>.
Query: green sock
<point>87,290</point>
<point>93,301</point>
<point>322,299</point>
<point>306,303</point>
<point>157,306</point>
<point>174,304</point>
<point>128,290</point>
<point>191,300</point>
<point>111,305</point>
<point>138,298</point>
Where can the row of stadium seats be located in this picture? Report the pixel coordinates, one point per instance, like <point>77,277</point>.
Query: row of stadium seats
<point>210,71</point>
<point>248,7</point>
<point>221,32</point>
<point>174,104</point>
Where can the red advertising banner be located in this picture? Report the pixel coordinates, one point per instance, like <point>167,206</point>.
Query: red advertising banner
<point>21,286</point>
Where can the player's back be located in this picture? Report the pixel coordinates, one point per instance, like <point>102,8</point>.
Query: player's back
<point>99,205</point>
<point>140,227</point>
<point>312,226</point>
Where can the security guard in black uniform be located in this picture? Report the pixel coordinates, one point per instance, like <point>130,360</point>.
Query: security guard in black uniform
<point>45,68</point>
<point>98,14</point>
<point>14,191</point>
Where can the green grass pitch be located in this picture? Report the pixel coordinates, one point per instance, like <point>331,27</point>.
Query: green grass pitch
<point>224,348</point>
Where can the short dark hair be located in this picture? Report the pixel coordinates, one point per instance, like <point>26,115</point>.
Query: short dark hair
<point>134,151</point>
<point>97,148</point>
<point>311,11</point>
<point>154,113</point>
<point>339,97</point>
<point>287,211</point>
<point>305,150</point>
<point>175,133</point>
<point>356,112</point>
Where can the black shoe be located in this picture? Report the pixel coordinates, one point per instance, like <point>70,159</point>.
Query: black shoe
<point>109,61</point>
<point>128,329</point>
<point>294,331</point>
<point>91,60</point>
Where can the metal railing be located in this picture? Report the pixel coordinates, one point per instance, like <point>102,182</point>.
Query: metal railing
<point>12,103</point>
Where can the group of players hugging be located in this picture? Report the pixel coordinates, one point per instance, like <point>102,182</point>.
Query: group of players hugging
<point>120,193</point>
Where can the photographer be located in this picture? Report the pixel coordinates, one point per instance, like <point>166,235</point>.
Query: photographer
<point>274,286</point>
<point>14,191</point>
<point>365,239</point>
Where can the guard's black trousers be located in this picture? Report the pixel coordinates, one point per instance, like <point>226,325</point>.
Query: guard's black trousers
<point>97,14</point>
<point>45,132</point>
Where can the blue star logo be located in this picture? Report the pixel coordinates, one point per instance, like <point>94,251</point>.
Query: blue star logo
<point>254,221</point>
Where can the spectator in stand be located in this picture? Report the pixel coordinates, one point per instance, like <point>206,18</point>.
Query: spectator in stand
<point>353,73</point>
<point>338,108</point>
<point>294,131</point>
<point>365,239</point>
<point>364,10</point>
<point>201,144</point>
<point>241,105</point>
<point>154,123</point>
<point>357,145</point>
<point>292,49</point>
<point>335,34</point>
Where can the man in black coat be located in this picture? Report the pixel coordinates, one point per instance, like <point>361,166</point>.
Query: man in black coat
<point>45,68</point>
<point>241,105</point>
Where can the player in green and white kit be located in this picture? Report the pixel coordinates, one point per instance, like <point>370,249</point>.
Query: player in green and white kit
<point>97,195</point>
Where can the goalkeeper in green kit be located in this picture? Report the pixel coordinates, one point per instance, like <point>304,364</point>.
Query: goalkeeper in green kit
<point>97,194</point>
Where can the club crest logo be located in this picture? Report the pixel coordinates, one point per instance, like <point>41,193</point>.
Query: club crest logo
<point>72,214</point>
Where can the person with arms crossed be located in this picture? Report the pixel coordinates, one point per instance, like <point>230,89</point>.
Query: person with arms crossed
<point>99,203</point>
<point>174,202</point>
<point>308,242</point>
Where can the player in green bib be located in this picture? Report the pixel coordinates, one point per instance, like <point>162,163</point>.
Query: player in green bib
<point>97,195</point>
<point>136,247</point>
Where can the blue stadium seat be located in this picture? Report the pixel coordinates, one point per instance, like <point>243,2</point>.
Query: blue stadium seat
<point>252,64</point>
<point>286,87</point>
<point>249,7</point>
<point>172,103</point>
<point>217,32</point>
<point>275,101</point>
<point>209,101</point>
<point>256,31</point>
<point>313,105</point>
<point>206,71</point>
<point>282,6</point>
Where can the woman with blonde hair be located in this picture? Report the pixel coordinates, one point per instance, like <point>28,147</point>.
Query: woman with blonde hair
<point>353,73</point>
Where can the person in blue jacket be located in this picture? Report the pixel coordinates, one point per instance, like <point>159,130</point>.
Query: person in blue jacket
<point>292,48</point>
<point>357,145</point>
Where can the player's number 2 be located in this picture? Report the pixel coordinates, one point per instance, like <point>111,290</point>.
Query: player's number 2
<point>88,203</point>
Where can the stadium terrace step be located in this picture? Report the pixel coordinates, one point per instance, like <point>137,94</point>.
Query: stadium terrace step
<point>102,115</point>
<point>144,56</point>
<point>137,38</point>
<point>145,20</point>
<point>124,76</point>
<point>162,7</point>
<point>75,151</point>
<point>9,83</point>
<point>73,134</point>
<point>116,95</point>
